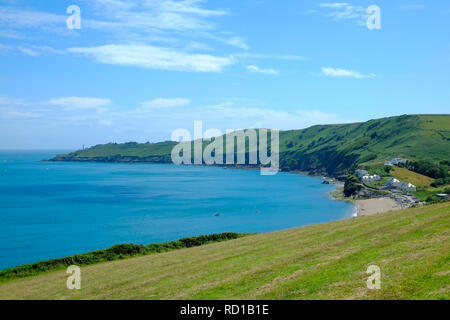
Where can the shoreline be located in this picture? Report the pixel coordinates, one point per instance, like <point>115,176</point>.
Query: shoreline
<point>373,206</point>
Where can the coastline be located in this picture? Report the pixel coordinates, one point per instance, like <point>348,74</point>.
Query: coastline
<point>365,207</point>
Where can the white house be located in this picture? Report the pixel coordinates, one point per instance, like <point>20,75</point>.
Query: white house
<point>392,182</point>
<point>407,187</point>
<point>403,186</point>
<point>370,178</point>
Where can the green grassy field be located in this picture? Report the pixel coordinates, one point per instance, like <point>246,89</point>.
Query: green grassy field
<point>416,179</point>
<point>326,261</point>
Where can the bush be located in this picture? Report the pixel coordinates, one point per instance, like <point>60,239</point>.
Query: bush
<point>427,168</point>
<point>440,182</point>
<point>351,186</point>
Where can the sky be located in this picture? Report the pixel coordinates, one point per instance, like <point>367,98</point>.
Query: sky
<point>138,70</point>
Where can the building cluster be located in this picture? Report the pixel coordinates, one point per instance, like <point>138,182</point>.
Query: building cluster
<point>366,177</point>
<point>392,183</point>
<point>400,185</point>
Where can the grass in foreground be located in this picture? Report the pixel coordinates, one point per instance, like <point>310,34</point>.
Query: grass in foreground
<point>326,261</point>
<point>117,252</point>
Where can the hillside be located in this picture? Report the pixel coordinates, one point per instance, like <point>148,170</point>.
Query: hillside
<point>326,261</point>
<point>324,149</point>
<point>416,179</point>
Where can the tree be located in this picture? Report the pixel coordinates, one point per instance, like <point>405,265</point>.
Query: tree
<point>351,186</point>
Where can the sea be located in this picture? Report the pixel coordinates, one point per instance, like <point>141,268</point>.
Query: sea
<point>57,209</point>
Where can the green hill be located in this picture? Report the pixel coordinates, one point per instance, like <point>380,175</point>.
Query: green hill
<point>327,261</point>
<point>324,149</point>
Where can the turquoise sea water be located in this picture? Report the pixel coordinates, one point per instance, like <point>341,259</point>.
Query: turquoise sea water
<point>50,210</point>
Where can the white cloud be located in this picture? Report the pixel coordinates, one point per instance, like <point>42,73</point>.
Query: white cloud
<point>153,57</point>
<point>10,34</point>
<point>83,125</point>
<point>81,103</point>
<point>160,103</point>
<point>412,7</point>
<point>19,18</point>
<point>335,5</point>
<point>229,116</point>
<point>16,108</point>
<point>32,51</point>
<point>4,48</point>
<point>237,42</point>
<point>256,69</point>
<point>28,51</point>
<point>142,14</point>
<point>146,16</point>
<point>269,56</point>
<point>337,72</point>
<point>19,114</point>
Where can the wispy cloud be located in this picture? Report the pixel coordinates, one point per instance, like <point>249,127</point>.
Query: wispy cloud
<point>16,108</point>
<point>146,16</point>
<point>411,7</point>
<point>161,103</point>
<point>237,42</point>
<point>11,34</point>
<point>257,56</point>
<point>346,11</point>
<point>119,14</point>
<point>68,113</point>
<point>81,103</point>
<point>256,69</point>
<point>157,34</point>
<point>153,57</point>
<point>24,18</point>
<point>343,73</point>
<point>4,48</point>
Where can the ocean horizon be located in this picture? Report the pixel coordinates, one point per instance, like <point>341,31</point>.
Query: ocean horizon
<point>56,209</point>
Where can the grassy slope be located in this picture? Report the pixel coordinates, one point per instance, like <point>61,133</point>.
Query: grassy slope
<point>416,179</point>
<point>327,261</point>
<point>330,149</point>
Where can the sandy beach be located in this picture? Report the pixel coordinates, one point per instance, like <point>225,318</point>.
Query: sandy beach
<point>374,206</point>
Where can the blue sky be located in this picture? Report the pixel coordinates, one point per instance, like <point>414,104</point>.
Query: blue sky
<point>137,70</point>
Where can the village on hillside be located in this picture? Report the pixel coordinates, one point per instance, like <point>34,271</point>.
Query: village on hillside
<point>384,183</point>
